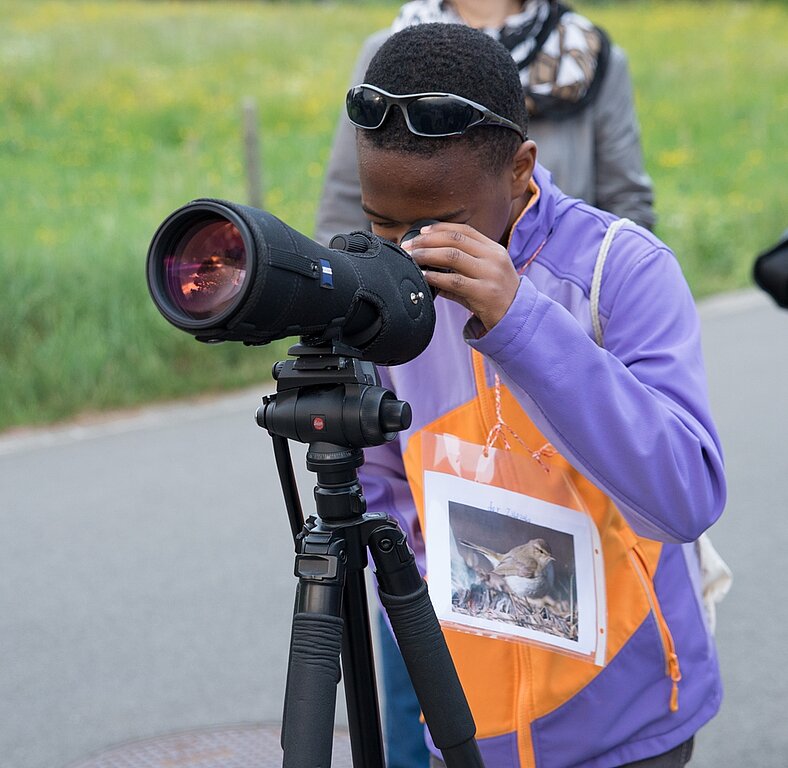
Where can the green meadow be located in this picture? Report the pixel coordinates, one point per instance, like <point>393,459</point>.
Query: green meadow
<point>113,114</point>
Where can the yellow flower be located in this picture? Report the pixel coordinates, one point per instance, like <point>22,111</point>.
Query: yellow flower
<point>754,157</point>
<point>46,236</point>
<point>675,158</point>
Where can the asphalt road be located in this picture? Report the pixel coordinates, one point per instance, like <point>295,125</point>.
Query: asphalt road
<point>146,567</point>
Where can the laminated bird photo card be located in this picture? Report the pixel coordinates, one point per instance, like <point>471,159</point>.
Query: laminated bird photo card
<point>513,566</point>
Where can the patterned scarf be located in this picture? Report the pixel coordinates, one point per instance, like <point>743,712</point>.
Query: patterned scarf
<point>561,55</point>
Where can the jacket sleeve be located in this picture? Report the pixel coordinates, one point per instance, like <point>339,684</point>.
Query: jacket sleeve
<point>622,185</point>
<point>339,209</point>
<point>632,417</point>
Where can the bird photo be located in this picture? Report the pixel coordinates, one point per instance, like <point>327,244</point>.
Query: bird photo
<point>513,571</point>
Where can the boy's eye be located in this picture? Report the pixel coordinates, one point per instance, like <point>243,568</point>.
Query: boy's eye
<point>386,229</point>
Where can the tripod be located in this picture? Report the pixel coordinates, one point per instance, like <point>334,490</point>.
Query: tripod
<point>330,399</point>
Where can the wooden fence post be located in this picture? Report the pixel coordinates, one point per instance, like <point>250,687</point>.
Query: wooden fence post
<point>251,131</point>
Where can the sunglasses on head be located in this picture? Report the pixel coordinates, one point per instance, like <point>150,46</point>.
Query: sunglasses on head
<point>426,114</point>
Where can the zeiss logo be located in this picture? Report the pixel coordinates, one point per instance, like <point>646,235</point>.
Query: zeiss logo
<point>326,274</point>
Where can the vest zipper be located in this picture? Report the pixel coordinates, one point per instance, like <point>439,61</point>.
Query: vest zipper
<point>672,669</point>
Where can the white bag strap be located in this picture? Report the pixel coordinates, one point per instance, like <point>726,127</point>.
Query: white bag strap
<point>596,280</point>
<point>716,576</point>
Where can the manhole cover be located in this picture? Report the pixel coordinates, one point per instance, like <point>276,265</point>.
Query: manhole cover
<point>241,746</point>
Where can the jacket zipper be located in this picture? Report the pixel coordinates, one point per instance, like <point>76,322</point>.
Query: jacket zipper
<point>672,669</point>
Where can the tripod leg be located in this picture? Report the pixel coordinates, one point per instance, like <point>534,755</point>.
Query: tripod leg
<point>313,668</point>
<point>358,668</point>
<point>313,675</point>
<point>404,596</point>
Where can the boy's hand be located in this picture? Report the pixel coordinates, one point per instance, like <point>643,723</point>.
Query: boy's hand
<point>482,278</point>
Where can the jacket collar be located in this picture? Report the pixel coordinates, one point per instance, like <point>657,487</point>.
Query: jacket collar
<point>537,220</point>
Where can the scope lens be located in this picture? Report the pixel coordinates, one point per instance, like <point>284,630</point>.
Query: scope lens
<point>205,273</point>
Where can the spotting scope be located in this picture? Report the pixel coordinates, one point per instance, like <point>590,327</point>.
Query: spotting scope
<point>227,272</point>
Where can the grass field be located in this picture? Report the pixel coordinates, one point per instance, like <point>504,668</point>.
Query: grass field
<point>112,114</point>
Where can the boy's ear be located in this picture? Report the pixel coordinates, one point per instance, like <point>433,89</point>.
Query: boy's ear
<point>523,168</point>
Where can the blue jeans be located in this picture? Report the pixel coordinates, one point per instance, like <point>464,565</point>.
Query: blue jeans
<point>678,757</point>
<point>403,732</point>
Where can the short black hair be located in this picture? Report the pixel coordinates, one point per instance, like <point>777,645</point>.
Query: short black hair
<point>455,59</point>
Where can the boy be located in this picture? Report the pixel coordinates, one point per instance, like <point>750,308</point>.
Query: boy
<point>623,420</point>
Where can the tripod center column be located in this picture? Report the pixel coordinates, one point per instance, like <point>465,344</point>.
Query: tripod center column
<point>338,494</point>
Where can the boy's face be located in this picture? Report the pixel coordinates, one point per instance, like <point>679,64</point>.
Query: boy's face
<point>398,189</point>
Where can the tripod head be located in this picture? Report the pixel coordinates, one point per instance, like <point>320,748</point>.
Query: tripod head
<point>328,394</point>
